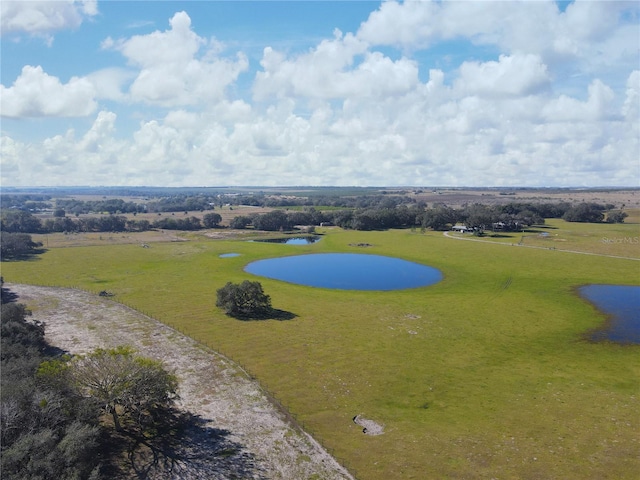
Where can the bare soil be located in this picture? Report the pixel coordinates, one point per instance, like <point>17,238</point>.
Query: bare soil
<point>239,433</point>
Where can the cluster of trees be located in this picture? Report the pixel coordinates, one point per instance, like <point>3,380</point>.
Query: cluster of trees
<point>52,407</point>
<point>334,201</point>
<point>589,212</point>
<point>71,206</point>
<point>112,206</point>
<point>377,212</point>
<point>30,202</point>
<point>47,431</point>
<point>390,214</point>
<point>209,220</point>
<point>183,203</point>
<point>21,221</point>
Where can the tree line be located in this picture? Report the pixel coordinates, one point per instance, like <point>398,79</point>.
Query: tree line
<point>21,221</point>
<point>509,217</point>
<point>381,216</point>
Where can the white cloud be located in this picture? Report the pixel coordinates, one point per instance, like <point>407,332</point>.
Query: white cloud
<point>537,27</point>
<point>631,108</point>
<point>338,68</point>
<point>598,106</point>
<point>36,94</point>
<point>170,71</point>
<point>42,18</point>
<point>433,135</point>
<point>319,73</point>
<point>515,75</point>
<point>345,113</point>
<point>100,132</point>
<point>402,24</point>
<point>110,83</point>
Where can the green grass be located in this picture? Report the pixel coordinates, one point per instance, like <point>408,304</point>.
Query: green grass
<point>486,374</point>
<point>603,239</point>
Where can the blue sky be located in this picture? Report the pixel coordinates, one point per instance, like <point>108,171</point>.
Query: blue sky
<point>463,93</point>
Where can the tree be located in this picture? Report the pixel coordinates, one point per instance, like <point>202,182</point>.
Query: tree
<point>125,385</point>
<point>211,220</point>
<point>17,244</point>
<point>616,217</point>
<point>478,217</point>
<point>273,221</point>
<point>240,222</point>
<point>585,212</point>
<point>245,300</point>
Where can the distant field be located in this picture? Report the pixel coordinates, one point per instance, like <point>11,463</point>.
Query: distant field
<point>456,197</point>
<point>484,375</point>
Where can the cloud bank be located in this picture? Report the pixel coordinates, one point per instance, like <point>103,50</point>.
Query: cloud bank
<point>557,104</point>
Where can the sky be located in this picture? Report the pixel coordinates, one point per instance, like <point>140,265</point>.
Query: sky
<point>320,93</point>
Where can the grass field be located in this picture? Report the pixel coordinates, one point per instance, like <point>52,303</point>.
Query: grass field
<point>484,375</point>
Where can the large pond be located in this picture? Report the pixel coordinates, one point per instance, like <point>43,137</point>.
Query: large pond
<point>347,271</point>
<point>622,304</point>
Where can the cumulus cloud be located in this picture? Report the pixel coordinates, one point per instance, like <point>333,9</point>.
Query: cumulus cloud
<point>171,73</point>
<point>319,73</point>
<point>342,67</point>
<point>598,106</point>
<point>514,75</point>
<point>631,108</point>
<point>42,18</point>
<point>453,139</point>
<point>36,94</point>
<point>110,83</point>
<point>518,26</point>
<point>351,110</point>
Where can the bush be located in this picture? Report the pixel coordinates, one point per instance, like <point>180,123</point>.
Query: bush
<point>246,300</point>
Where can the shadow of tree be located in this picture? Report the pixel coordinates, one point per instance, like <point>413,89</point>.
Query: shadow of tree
<point>30,256</point>
<point>7,296</point>
<point>272,314</point>
<point>180,446</point>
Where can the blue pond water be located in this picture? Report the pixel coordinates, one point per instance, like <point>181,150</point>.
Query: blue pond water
<point>229,255</point>
<point>622,304</point>
<point>347,271</point>
<point>292,240</point>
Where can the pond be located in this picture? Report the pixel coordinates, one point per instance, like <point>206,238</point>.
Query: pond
<point>622,304</point>
<point>229,255</point>
<point>347,271</point>
<point>292,240</point>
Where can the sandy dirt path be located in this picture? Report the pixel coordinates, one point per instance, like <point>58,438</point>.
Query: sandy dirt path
<point>240,433</point>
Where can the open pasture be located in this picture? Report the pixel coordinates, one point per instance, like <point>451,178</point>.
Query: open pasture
<point>619,239</point>
<point>486,374</point>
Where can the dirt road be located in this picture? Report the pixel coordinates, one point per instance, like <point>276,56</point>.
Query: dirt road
<point>240,434</point>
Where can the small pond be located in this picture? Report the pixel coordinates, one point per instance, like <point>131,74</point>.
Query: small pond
<point>229,255</point>
<point>347,271</point>
<point>622,304</point>
<point>292,240</point>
